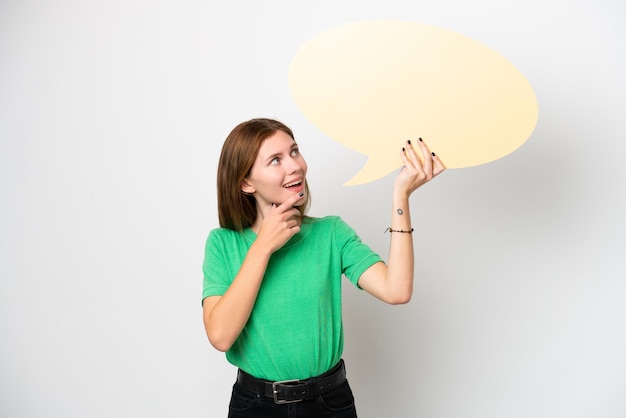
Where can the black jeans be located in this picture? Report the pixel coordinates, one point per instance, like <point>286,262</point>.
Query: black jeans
<point>338,403</point>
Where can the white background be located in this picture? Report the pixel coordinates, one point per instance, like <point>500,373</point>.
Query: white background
<point>112,115</point>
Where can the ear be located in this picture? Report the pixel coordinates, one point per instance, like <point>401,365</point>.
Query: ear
<point>247,187</point>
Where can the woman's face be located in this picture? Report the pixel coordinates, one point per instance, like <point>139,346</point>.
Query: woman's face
<point>279,171</point>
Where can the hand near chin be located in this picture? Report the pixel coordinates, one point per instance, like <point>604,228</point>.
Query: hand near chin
<point>280,224</point>
<point>417,172</point>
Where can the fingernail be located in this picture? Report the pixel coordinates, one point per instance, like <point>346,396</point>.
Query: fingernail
<point>409,142</point>
<point>433,154</point>
<point>403,149</point>
<point>420,139</point>
<point>301,194</point>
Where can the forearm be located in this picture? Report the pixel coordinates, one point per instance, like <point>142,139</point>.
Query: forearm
<point>393,283</point>
<point>226,319</point>
<point>400,264</point>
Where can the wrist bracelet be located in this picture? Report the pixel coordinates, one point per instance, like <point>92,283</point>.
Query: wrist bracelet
<point>399,230</point>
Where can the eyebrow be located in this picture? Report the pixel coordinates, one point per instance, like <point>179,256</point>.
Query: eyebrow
<point>271,157</point>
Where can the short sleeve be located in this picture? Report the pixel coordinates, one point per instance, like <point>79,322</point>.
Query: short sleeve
<point>217,276</point>
<point>356,257</point>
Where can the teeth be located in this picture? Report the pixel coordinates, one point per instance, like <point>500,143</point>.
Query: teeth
<point>293,184</point>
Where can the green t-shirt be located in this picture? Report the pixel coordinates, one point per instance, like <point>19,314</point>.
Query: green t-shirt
<point>295,330</point>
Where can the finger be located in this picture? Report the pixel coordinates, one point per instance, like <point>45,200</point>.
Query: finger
<point>404,158</point>
<point>428,159</point>
<point>438,166</point>
<point>281,209</point>
<point>292,213</point>
<point>413,160</point>
<point>291,202</point>
<point>411,155</point>
<point>292,223</point>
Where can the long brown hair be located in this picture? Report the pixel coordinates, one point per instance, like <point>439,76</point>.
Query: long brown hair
<point>236,209</point>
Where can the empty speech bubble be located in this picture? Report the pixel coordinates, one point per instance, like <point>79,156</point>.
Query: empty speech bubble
<point>372,85</point>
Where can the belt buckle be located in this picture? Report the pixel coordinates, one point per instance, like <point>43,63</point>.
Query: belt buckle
<point>284,383</point>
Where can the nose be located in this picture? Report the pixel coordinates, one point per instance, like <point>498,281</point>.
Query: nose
<point>294,164</point>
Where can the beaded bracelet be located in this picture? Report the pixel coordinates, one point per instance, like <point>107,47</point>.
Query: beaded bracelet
<point>399,230</point>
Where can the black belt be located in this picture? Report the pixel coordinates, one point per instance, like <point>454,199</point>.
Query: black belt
<point>288,391</point>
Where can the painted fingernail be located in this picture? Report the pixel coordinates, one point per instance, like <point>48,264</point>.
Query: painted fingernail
<point>403,149</point>
<point>420,139</point>
<point>433,154</point>
<point>409,142</point>
<point>301,194</point>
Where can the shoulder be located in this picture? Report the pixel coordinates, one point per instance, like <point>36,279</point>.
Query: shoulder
<point>225,236</point>
<point>323,221</point>
<point>219,234</point>
<point>332,226</point>
<point>223,232</point>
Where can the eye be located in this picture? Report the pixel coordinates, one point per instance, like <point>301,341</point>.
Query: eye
<point>274,161</point>
<point>295,152</point>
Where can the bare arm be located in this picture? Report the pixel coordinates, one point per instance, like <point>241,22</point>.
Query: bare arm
<point>393,283</point>
<point>225,316</point>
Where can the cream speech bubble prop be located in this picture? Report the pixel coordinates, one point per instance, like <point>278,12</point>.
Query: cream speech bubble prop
<point>372,85</point>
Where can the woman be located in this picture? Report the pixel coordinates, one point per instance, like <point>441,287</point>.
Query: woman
<point>272,276</point>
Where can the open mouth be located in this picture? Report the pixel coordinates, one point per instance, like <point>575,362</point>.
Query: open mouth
<point>293,184</point>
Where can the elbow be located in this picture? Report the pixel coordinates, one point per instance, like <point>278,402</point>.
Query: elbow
<point>401,299</point>
<point>219,338</point>
<point>400,296</point>
<point>220,343</point>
